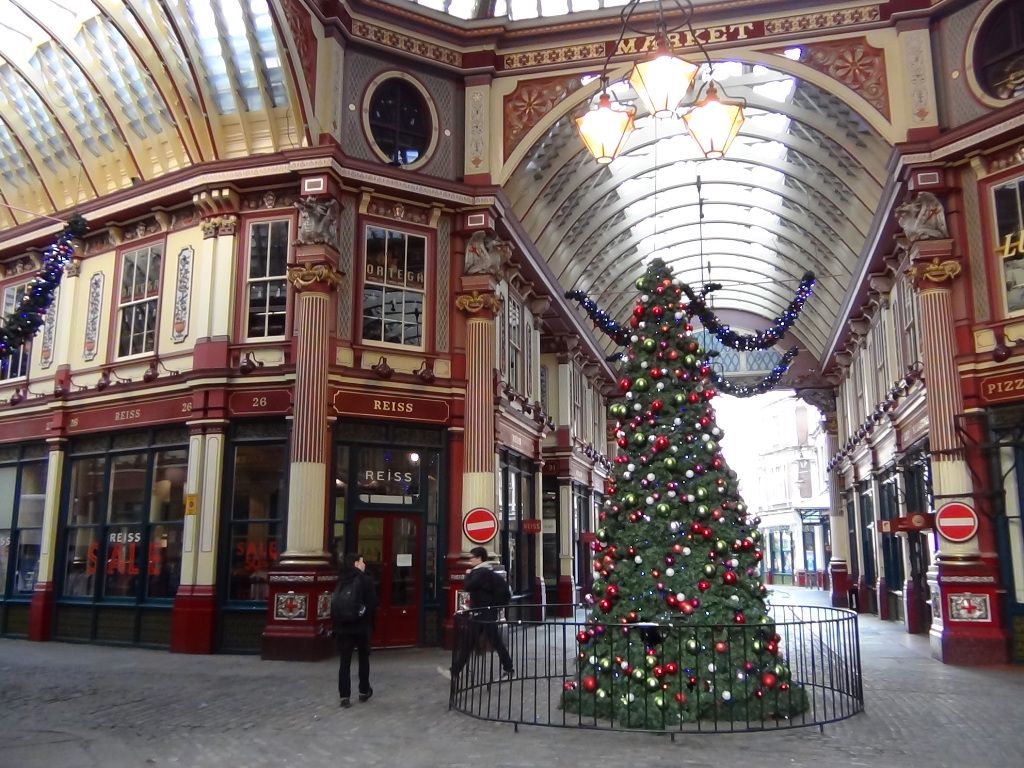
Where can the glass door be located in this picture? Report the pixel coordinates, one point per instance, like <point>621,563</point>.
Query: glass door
<point>390,545</point>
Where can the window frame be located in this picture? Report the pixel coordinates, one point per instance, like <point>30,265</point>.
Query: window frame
<point>12,537</point>
<point>429,255</point>
<point>432,113</point>
<point>24,352</point>
<point>245,280</point>
<point>119,305</point>
<point>1003,241</point>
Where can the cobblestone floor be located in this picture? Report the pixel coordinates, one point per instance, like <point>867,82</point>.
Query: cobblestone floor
<point>79,706</point>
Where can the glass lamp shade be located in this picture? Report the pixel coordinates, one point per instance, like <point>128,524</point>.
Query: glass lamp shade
<point>662,82</point>
<point>605,128</point>
<point>714,123</point>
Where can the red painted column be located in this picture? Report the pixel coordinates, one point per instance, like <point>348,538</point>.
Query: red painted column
<point>302,581</point>
<point>838,565</point>
<point>967,623</point>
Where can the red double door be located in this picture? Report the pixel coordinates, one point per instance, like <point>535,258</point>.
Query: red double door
<point>390,544</point>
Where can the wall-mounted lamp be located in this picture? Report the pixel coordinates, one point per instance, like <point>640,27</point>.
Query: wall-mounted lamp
<point>1003,349</point>
<point>104,381</point>
<point>17,397</point>
<point>249,364</point>
<point>425,373</point>
<point>382,369</point>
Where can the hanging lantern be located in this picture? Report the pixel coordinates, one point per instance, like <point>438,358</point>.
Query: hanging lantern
<point>605,128</point>
<point>662,81</point>
<point>714,123</point>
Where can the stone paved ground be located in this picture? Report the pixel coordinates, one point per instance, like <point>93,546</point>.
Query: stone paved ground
<point>78,706</point>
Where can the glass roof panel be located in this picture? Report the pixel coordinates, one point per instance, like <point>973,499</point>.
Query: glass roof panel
<point>14,164</point>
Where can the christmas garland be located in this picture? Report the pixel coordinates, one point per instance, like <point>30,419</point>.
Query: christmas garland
<point>762,339</point>
<point>601,318</point>
<point>766,384</point>
<point>22,324</point>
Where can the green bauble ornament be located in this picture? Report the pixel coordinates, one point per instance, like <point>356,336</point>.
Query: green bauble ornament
<point>639,673</point>
<point>691,645</point>
<point>662,508</point>
<point>652,683</point>
<point>629,499</point>
<point>678,398</point>
<point>671,463</point>
<point>701,492</point>
<point>650,661</point>
<point>689,361</point>
<point>709,570</point>
<point>640,283</point>
<point>649,345</point>
<point>641,385</point>
<point>639,438</point>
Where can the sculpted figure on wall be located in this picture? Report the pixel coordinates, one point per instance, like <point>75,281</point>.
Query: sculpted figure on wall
<point>487,255</point>
<point>922,218</point>
<point>318,221</point>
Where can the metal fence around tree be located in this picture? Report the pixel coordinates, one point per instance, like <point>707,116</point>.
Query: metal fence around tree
<point>819,644</point>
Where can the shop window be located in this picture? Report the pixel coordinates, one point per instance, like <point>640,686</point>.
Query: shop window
<point>388,476</point>
<point>15,365</point>
<point>138,299</point>
<point>267,283</point>
<point>399,121</point>
<point>1010,236</point>
<point>257,518</point>
<point>516,503</point>
<point>393,288</point>
<point>22,491</point>
<point>124,525</point>
<point>999,52</point>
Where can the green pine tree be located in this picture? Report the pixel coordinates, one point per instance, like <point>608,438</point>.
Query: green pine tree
<point>679,631</point>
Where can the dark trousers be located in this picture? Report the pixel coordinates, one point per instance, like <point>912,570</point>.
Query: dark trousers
<point>346,643</point>
<point>487,629</point>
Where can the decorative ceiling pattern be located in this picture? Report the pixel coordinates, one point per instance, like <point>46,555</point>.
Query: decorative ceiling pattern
<point>98,95</point>
<point>797,191</point>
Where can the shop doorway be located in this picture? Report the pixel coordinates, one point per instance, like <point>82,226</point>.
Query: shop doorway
<point>390,544</point>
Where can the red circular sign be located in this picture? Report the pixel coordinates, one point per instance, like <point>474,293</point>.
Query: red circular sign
<point>480,525</point>
<point>956,522</point>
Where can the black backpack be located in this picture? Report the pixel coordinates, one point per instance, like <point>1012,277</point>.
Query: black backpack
<point>500,591</point>
<point>347,606</point>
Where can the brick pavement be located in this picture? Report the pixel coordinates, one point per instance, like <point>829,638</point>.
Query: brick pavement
<point>82,705</point>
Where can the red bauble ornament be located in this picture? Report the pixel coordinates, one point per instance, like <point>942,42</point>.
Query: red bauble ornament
<point>605,605</point>
<point>768,680</point>
<point>659,671</point>
<point>709,393</point>
<point>686,608</point>
<point>569,685</point>
<point>612,590</point>
<point>693,397</point>
<point>657,311</point>
<point>632,616</point>
<point>729,577</point>
<point>758,694</point>
<point>657,405</point>
<point>590,683</point>
<point>670,600</point>
<point>703,585</point>
<point>681,698</point>
<point>739,618</point>
<point>625,384</point>
<point>638,310</point>
<point>671,668</point>
<point>721,647</point>
<point>783,686</point>
<point>656,373</point>
<point>771,647</point>
<point>582,636</point>
<point>661,443</point>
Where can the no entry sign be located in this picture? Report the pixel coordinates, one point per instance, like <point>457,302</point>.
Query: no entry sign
<point>480,525</point>
<point>956,522</point>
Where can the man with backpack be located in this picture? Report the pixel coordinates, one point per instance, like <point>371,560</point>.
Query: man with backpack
<point>488,592</point>
<point>352,607</point>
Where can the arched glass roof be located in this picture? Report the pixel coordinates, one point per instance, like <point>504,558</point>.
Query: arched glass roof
<point>797,192</point>
<point>97,95</point>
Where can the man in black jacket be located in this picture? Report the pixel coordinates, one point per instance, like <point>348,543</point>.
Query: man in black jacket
<point>355,633</point>
<point>487,592</point>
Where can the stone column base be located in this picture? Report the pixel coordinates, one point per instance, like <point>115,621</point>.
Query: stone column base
<point>565,596</point>
<point>40,612</point>
<point>840,584</point>
<point>299,613</point>
<point>967,614</point>
<point>194,620</point>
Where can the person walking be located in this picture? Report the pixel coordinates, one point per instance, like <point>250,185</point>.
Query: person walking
<point>488,592</point>
<point>352,609</point>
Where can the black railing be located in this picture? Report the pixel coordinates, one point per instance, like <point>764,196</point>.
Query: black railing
<point>818,644</point>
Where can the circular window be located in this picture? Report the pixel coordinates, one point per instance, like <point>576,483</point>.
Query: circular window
<point>400,120</point>
<point>999,52</point>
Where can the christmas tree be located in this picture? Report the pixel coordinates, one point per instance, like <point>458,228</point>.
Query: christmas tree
<point>679,630</point>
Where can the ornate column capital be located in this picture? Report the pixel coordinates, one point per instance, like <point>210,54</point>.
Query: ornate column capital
<point>321,278</point>
<point>476,303</point>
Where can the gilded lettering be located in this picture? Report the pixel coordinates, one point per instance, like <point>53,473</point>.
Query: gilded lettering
<point>742,30</point>
<point>717,34</point>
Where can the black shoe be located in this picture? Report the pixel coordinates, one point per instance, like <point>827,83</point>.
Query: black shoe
<point>346,703</point>
<point>364,697</point>
<point>508,673</point>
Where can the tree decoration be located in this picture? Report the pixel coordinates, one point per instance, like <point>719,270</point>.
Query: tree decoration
<point>601,318</point>
<point>764,339</point>
<point>767,384</point>
<point>20,325</point>
<point>679,629</point>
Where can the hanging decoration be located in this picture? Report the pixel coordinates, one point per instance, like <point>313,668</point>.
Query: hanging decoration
<point>601,318</point>
<point>765,339</point>
<point>20,325</point>
<point>767,384</point>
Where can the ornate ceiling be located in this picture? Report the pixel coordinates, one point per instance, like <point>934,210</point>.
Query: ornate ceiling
<point>797,192</point>
<point>97,95</point>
